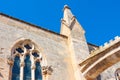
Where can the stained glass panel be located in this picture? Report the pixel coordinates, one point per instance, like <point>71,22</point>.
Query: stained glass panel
<point>38,75</point>
<point>16,69</point>
<point>27,68</point>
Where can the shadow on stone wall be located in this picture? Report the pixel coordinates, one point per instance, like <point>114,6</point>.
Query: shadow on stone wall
<point>1,75</point>
<point>99,77</point>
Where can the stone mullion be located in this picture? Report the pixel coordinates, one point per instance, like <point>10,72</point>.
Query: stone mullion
<point>22,67</point>
<point>33,74</point>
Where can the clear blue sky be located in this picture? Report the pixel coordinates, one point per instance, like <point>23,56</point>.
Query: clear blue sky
<point>99,18</point>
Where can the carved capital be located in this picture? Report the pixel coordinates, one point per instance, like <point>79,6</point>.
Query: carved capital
<point>10,62</point>
<point>33,67</point>
<point>22,64</point>
<point>47,70</point>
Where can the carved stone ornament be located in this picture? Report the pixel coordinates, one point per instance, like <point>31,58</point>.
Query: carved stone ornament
<point>47,70</point>
<point>22,64</point>
<point>33,66</point>
<point>10,60</point>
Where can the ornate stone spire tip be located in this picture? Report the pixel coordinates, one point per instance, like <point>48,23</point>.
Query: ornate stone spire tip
<point>66,7</point>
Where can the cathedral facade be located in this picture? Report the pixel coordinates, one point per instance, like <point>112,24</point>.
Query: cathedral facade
<point>29,52</point>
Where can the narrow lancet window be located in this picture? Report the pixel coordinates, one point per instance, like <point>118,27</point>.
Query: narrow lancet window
<point>27,68</point>
<point>38,75</point>
<point>16,69</point>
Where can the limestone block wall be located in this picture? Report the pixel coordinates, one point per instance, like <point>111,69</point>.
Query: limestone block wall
<point>53,46</point>
<point>109,74</point>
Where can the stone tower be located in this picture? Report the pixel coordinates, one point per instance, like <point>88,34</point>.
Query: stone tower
<point>78,47</point>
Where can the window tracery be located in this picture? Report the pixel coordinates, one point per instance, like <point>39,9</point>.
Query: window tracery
<point>27,60</point>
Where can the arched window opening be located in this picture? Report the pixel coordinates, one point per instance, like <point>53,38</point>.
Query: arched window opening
<point>27,61</point>
<point>19,50</point>
<point>35,54</point>
<point>38,74</point>
<point>27,46</point>
<point>117,74</point>
<point>16,69</point>
<point>27,68</point>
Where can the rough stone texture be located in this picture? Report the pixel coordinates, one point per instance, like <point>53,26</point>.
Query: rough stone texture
<point>53,46</point>
<point>79,42</point>
<point>63,53</point>
<point>91,47</point>
<point>109,74</point>
<point>4,69</point>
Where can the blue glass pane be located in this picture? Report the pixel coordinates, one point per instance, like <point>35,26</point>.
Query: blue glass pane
<point>16,69</point>
<point>19,50</point>
<point>27,68</point>
<point>35,54</point>
<point>27,46</point>
<point>38,75</point>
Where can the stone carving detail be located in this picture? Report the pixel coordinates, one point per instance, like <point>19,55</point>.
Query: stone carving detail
<point>22,64</point>
<point>10,60</point>
<point>23,49</point>
<point>47,70</point>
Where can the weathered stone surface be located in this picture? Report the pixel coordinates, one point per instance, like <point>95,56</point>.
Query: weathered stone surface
<point>63,57</point>
<point>53,46</point>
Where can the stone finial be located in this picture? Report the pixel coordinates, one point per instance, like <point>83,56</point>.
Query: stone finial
<point>67,15</point>
<point>47,70</point>
<point>66,7</point>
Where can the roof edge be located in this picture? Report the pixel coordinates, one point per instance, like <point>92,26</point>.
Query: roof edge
<point>22,21</point>
<point>92,44</point>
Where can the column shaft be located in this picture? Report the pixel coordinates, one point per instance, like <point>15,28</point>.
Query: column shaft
<point>21,72</point>
<point>33,74</point>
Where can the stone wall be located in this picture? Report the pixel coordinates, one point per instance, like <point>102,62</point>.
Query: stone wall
<point>109,74</point>
<point>53,46</point>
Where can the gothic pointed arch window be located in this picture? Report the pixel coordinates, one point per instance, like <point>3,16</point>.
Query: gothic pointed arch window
<point>27,59</point>
<point>117,74</point>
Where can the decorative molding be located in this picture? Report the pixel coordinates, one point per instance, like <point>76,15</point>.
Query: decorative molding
<point>106,45</point>
<point>47,70</point>
<point>10,60</point>
<point>22,64</point>
<point>33,66</point>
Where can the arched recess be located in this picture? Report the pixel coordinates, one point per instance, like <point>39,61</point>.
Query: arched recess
<point>28,60</point>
